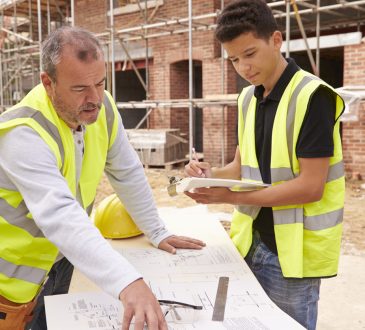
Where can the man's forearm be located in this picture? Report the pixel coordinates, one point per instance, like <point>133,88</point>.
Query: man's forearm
<point>296,191</point>
<point>227,172</point>
<point>231,171</point>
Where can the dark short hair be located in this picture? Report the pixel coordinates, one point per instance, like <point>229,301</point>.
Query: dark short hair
<point>84,44</point>
<point>244,16</point>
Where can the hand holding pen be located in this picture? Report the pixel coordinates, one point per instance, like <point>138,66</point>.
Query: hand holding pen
<point>195,168</point>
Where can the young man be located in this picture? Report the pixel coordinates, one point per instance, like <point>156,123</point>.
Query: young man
<point>288,134</point>
<point>54,146</point>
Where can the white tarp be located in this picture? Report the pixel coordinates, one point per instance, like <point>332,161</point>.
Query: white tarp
<point>353,97</point>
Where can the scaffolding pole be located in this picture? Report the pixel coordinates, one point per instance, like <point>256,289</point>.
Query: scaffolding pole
<point>39,31</point>
<point>287,33</point>
<point>167,23</point>
<point>133,65</point>
<point>112,46</point>
<point>11,60</point>
<point>17,35</point>
<point>147,67</point>
<point>304,36</point>
<point>13,50</point>
<point>17,92</point>
<point>223,106</point>
<point>144,83</point>
<point>229,100</point>
<point>31,35</point>
<point>72,13</point>
<point>191,118</point>
<point>324,8</point>
<point>143,29</point>
<point>48,18</point>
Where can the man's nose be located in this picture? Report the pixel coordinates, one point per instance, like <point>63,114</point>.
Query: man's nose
<point>245,68</point>
<point>93,95</point>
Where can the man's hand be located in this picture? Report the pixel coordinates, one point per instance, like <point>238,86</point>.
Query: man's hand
<point>170,243</point>
<point>211,195</point>
<point>139,301</point>
<point>198,169</point>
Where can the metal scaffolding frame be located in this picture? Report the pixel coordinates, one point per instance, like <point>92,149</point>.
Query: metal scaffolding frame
<point>22,25</point>
<point>20,40</point>
<point>203,22</point>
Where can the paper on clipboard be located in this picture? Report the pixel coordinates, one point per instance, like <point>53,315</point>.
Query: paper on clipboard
<point>187,184</point>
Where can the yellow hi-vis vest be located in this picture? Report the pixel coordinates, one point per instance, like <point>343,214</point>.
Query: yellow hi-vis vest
<point>308,236</point>
<point>26,256</point>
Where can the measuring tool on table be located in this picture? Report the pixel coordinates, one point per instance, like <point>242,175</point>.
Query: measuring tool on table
<point>220,299</point>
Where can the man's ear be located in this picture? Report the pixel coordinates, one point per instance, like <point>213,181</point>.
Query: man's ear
<point>47,83</point>
<point>277,39</point>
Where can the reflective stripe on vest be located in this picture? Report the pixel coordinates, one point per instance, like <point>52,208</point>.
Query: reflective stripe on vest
<point>315,222</point>
<point>17,216</point>
<point>109,115</point>
<point>246,102</point>
<point>291,113</point>
<point>50,128</point>
<point>251,173</point>
<point>335,172</point>
<point>25,273</point>
<point>249,210</point>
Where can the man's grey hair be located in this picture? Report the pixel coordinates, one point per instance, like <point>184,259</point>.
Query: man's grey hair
<point>84,44</point>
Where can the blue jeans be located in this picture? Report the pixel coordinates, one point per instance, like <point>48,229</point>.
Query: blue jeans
<point>59,279</point>
<point>296,297</point>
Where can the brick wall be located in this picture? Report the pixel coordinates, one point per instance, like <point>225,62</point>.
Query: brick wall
<point>213,117</point>
<point>353,133</point>
<point>91,14</point>
<point>179,89</point>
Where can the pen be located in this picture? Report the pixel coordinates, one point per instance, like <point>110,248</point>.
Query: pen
<point>195,156</point>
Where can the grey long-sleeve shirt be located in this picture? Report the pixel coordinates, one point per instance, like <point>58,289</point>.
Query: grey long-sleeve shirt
<point>29,166</point>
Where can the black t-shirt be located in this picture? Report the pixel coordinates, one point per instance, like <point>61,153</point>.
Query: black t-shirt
<point>315,137</point>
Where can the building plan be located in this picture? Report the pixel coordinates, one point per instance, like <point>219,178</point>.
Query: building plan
<point>189,276</point>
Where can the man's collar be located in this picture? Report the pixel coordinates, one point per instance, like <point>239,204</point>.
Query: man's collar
<point>281,84</point>
<point>80,128</point>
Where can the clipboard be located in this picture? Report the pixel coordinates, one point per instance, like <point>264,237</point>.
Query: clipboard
<point>187,184</point>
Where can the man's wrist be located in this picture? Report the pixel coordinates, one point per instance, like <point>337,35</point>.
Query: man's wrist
<point>234,198</point>
<point>215,172</point>
<point>124,291</point>
<point>238,197</point>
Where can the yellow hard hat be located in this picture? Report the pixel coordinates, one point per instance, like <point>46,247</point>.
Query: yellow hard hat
<point>113,220</point>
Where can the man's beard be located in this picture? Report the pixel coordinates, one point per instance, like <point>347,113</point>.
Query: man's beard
<point>72,117</point>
